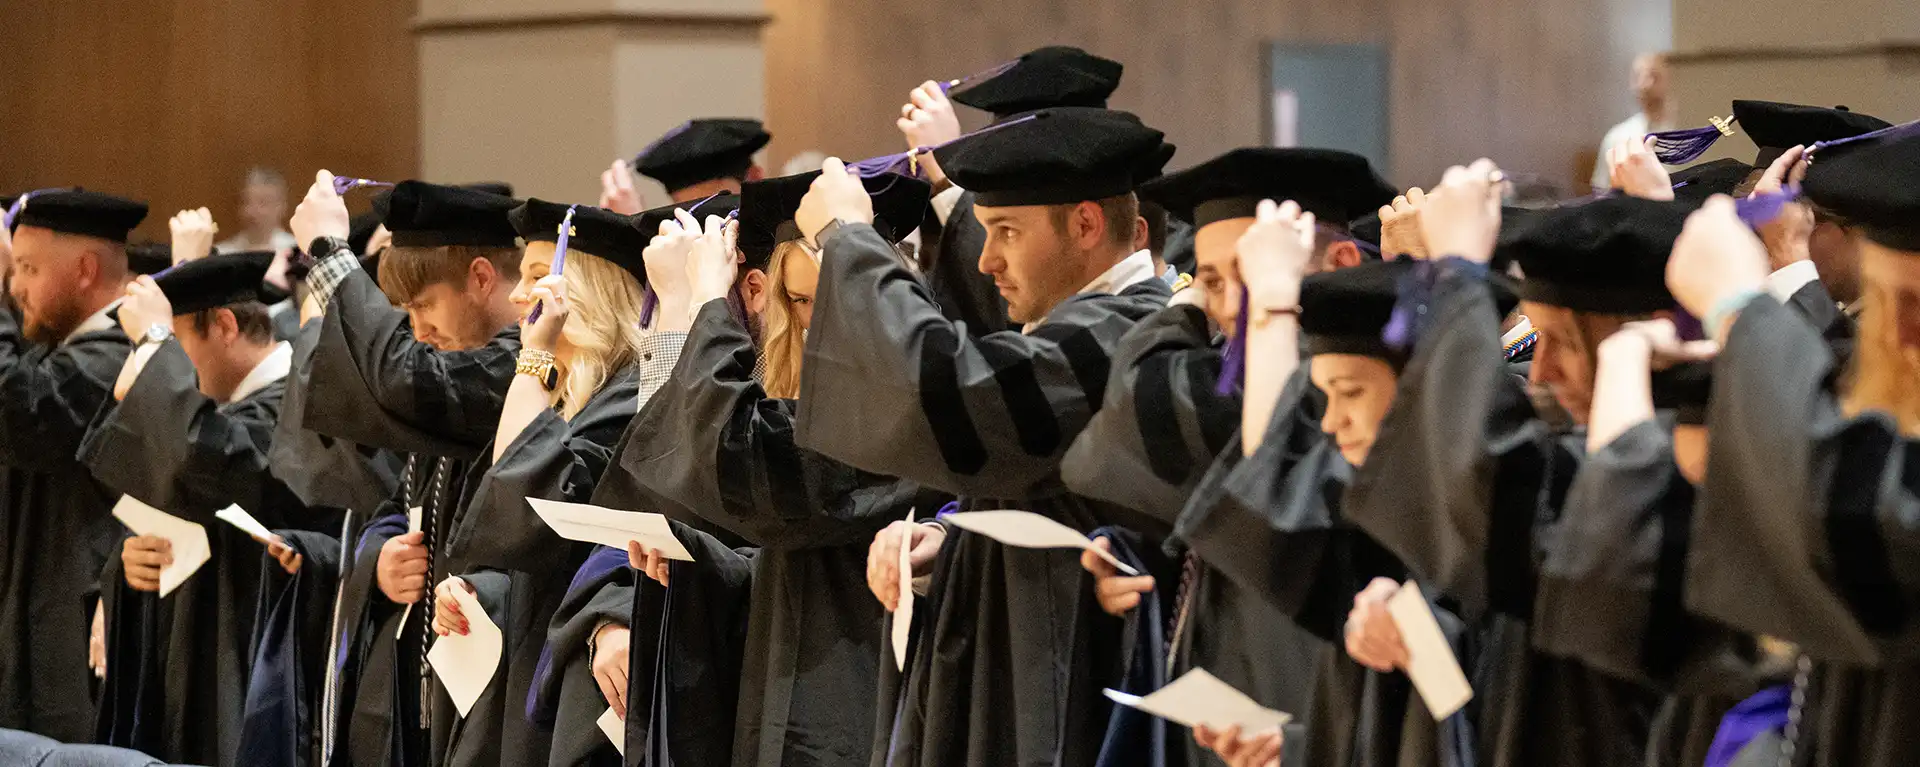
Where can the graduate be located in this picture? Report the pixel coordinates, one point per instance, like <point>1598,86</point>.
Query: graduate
<point>189,433</point>
<point>59,356</point>
<point>722,447</point>
<point>1465,448</point>
<point>574,391</point>
<point>1165,418</point>
<point>1053,76</point>
<point>704,157</point>
<point>895,388</point>
<point>1800,530</point>
<point>604,640</point>
<point>427,380</point>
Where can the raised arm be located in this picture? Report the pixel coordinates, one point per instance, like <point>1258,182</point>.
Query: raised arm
<point>1162,422</point>
<point>894,387</point>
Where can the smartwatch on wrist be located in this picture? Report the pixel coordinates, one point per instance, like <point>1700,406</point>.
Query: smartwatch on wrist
<point>826,232</point>
<point>321,247</point>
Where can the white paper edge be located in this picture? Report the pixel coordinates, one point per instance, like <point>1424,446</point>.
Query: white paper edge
<point>903,611</point>
<point>1086,544</point>
<point>1421,670</point>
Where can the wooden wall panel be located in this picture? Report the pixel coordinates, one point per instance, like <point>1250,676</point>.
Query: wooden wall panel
<point>1533,84</point>
<point>172,100</point>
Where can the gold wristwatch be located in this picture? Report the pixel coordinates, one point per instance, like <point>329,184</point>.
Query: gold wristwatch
<point>539,365</point>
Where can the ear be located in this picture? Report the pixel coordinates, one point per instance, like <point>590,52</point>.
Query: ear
<point>1140,237</point>
<point>754,291</point>
<point>755,172</point>
<point>87,269</point>
<point>226,327</point>
<point>1342,254</point>
<point>482,278</point>
<point>1087,226</point>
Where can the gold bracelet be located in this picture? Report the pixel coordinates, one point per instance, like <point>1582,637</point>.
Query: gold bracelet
<point>538,364</point>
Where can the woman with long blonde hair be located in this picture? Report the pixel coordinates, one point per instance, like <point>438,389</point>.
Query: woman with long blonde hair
<point>575,390</point>
<point>1805,530</point>
<point>721,445</point>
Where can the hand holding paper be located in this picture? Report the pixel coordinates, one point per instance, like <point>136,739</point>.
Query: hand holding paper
<point>466,663</point>
<point>1200,698</point>
<point>188,539</point>
<point>611,528</point>
<point>1027,530</point>
<point>1435,672</point>
<point>615,729</point>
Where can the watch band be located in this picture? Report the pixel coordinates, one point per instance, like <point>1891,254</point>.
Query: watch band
<point>540,365</point>
<point>827,232</point>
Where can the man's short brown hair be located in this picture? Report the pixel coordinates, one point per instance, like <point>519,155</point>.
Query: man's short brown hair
<point>1119,211</point>
<point>405,272</point>
<point>255,322</point>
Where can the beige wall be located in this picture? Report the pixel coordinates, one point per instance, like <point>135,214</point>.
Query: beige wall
<point>1533,83</point>
<point>545,94</point>
<point>1864,54</point>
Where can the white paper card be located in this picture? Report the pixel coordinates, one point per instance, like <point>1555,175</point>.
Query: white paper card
<point>466,664</point>
<point>238,517</point>
<point>608,527</point>
<point>903,612</point>
<point>189,539</point>
<point>1435,672</point>
<point>1199,698</point>
<point>615,729</point>
<point>413,526</point>
<point>1027,530</point>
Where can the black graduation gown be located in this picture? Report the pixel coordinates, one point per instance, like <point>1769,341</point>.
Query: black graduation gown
<point>690,645</point>
<point>283,708</point>
<point>520,569</point>
<point>1459,477</point>
<point>963,293</point>
<point>893,387</point>
<point>1271,526</point>
<point>1148,448</point>
<point>567,698</point>
<point>56,528</point>
<point>332,472</point>
<point>724,449</point>
<point>373,385</point>
<point>1814,303</point>
<point>1611,594</point>
<point>1805,533</point>
<point>183,661</point>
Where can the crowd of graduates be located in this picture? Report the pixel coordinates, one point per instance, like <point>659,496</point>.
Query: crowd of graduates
<point>778,473</point>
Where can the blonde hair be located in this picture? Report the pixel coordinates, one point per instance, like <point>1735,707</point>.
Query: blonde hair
<point>784,342</point>
<point>1882,373</point>
<point>602,329</point>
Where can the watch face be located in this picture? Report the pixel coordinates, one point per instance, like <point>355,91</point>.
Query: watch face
<point>157,333</point>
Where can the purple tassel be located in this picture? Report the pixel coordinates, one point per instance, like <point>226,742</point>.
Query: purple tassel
<point>950,509</point>
<point>1761,208</point>
<point>1687,326</point>
<point>1233,364</point>
<point>906,163</point>
<point>647,305</point>
<point>13,211</point>
<point>559,259</point>
<point>1893,131</point>
<point>1676,147</point>
<point>1414,292</point>
<point>949,85</point>
<point>345,184</point>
